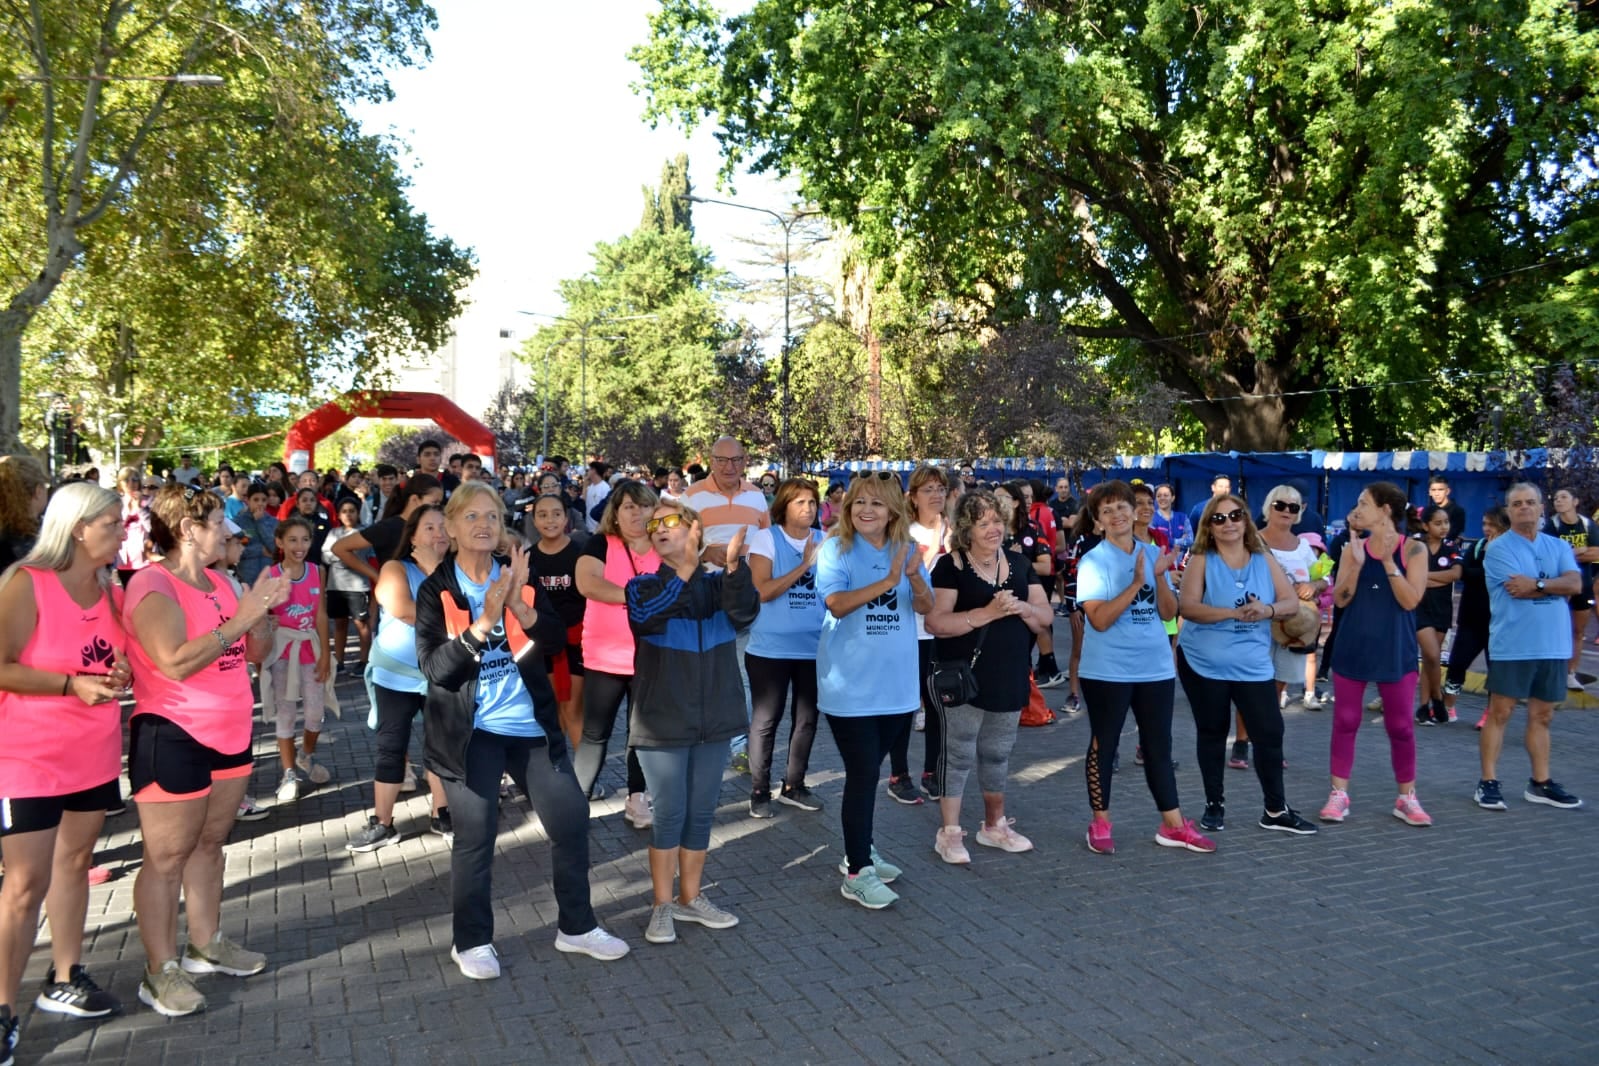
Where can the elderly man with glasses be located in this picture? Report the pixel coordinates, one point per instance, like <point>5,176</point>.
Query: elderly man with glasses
<point>727,501</point>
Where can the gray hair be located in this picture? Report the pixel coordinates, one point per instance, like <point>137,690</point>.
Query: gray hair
<point>1281,492</point>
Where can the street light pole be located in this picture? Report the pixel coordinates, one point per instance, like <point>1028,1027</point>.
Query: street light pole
<point>787,222</point>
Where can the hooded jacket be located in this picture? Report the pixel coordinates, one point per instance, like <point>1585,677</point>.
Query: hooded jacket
<point>687,685</point>
<point>451,666</point>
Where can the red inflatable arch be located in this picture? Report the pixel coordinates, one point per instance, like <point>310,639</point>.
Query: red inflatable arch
<point>303,435</point>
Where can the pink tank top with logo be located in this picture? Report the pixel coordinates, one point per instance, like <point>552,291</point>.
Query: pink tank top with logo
<point>57,745</point>
<point>607,637</point>
<point>298,612</point>
<point>214,705</point>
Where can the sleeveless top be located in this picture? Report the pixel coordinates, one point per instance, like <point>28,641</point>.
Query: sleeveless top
<point>790,626</point>
<point>57,745</point>
<point>298,612</point>
<point>397,640</point>
<point>607,636</point>
<point>1376,637</point>
<point>213,705</point>
<point>1231,650</point>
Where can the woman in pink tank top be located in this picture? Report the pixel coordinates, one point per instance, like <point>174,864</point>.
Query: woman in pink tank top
<point>62,668</point>
<point>189,754</point>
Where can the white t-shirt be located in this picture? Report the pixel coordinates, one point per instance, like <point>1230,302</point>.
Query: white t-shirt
<point>760,543</point>
<point>593,496</point>
<point>936,545</point>
<point>1297,562</point>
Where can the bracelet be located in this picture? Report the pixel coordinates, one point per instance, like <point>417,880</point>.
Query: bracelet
<point>66,684</point>
<point>969,623</point>
<point>223,644</point>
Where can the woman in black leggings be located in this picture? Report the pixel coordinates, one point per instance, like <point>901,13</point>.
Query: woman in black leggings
<point>1471,624</point>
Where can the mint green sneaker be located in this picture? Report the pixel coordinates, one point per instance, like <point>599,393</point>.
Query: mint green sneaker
<point>886,871</point>
<point>867,889</point>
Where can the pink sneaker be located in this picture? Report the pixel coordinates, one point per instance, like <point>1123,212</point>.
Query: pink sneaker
<point>1099,838</point>
<point>1407,808</point>
<point>949,846</point>
<point>1337,808</point>
<point>1184,836</point>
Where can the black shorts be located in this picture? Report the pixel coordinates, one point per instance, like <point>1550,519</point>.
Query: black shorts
<point>348,604</point>
<point>30,814</point>
<point>1582,601</point>
<point>165,763</point>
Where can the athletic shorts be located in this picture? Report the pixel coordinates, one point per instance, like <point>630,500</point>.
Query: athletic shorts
<point>1288,664</point>
<point>165,763</point>
<point>30,814</point>
<point>1528,679</point>
<point>348,604</point>
<point>1583,601</point>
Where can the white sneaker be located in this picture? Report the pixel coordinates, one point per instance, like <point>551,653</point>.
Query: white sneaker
<point>949,847</point>
<point>596,944</point>
<point>314,771</point>
<point>1573,683</point>
<point>1002,836</point>
<point>637,810</point>
<point>289,790</point>
<point>481,963</point>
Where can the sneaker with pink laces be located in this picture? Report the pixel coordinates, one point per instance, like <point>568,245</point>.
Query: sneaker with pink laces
<point>1407,808</point>
<point>1099,838</point>
<point>1002,836</point>
<point>949,847</point>
<point>1184,836</point>
<point>1337,806</point>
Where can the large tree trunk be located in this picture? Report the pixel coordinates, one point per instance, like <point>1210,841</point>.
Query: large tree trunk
<point>11,326</point>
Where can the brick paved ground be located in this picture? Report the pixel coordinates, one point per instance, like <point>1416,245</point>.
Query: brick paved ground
<point>1474,941</point>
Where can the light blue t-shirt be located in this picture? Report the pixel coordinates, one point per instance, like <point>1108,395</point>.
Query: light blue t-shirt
<point>789,626</point>
<point>866,662</point>
<point>1135,647</point>
<point>397,640</point>
<point>1527,629</point>
<point>503,703</point>
<point>1232,650</point>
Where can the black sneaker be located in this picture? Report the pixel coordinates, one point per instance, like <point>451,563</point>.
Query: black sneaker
<point>799,796</point>
<point>1138,755</point>
<point>1288,822</point>
<point>1489,797</point>
<point>373,835</point>
<point>1214,820</point>
<point>9,1024</point>
<point>903,791</point>
<point>760,806</point>
<point>441,825</point>
<point>78,996</point>
<point>1424,715</point>
<point>1550,794</point>
<point>930,786</point>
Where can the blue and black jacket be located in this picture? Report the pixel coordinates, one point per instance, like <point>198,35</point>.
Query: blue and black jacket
<point>687,686</point>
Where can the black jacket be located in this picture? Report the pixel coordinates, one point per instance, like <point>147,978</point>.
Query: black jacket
<point>687,687</point>
<point>451,667</point>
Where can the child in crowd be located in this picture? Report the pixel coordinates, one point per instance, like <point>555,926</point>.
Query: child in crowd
<point>299,656</point>
<point>349,595</point>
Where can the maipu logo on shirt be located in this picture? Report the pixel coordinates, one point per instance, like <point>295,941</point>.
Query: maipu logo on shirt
<point>807,580</point>
<point>888,601</point>
<point>98,652</point>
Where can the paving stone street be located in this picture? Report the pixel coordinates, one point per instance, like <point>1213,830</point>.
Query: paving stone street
<point>1475,941</point>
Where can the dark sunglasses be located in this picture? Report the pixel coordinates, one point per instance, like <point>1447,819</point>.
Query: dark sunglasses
<point>1284,505</point>
<point>1221,518</point>
<point>666,521</point>
<point>881,475</point>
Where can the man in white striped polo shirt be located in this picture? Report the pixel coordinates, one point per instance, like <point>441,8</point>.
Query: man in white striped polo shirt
<point>726,501</point>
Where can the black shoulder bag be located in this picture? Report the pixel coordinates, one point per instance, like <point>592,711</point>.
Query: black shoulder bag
<point>952,682</point>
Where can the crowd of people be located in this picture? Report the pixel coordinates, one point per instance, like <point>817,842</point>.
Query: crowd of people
<point>517,620</point>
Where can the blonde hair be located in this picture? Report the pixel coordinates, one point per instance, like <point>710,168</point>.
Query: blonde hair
<point>888,491</point>
<point>465,492</point>
<point>1204,539</point>
<point>1281,492</point>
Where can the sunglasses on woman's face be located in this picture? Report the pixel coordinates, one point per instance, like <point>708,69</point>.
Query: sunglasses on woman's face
<point>1221,518</point>
<point>1284,505</point>
<point>881,475</point>
<point>666,521</point>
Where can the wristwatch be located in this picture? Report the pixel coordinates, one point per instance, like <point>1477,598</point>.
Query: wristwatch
<point>1540,584</point>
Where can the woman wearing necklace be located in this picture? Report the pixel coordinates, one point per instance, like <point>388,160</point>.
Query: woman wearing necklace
<point>872,583</point>
<point>1127,665</point>
<point>189,752</point>
<point>1231,592</point>
<point>1381,579</point>
<point>481,637</point>
<point>61,671</point>
<point>982,592</point>
<point>619,551</point>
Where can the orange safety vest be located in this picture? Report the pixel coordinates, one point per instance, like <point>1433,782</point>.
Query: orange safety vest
<point>458,620</point>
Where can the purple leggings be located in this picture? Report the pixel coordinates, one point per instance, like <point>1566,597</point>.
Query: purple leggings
<point>1349,698</point>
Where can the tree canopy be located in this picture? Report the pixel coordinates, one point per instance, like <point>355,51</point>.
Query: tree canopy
<point>196,258</point>
<point>1310,219</point>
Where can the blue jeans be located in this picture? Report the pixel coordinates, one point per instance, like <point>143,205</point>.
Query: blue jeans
<point>685,784</point>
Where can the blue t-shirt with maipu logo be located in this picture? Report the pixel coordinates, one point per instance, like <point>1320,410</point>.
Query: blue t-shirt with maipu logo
<point>866,661</point>
<point>1518,629</point>
<point>503,704</point>
<point>1231,650</point>
<point>1135,647</point>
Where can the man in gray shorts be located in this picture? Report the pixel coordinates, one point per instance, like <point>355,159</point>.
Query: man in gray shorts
<point>1530,576</point>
